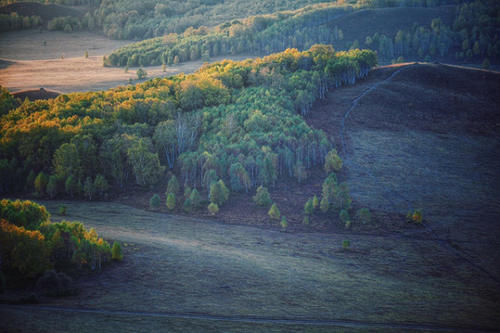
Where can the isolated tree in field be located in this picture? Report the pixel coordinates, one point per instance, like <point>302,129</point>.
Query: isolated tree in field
<point>213,208</point>
<point>141,74</point>
<point>154,202</point>
<point>332,161</point>
<point>274,212</point>
<point>41,183</point>
<point>116,252</point>
<point>86,54</point>
<point>262,197</point>
<point>170,201</point>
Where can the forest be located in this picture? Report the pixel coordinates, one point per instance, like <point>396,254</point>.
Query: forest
<point>472,36</point>
<point>231,126</point>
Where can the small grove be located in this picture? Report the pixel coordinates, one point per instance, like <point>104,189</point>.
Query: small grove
<point>30,244</point>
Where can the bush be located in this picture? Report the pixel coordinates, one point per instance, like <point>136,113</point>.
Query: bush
<point>364,215</point>
<point>344,215</point>
<point>116,252</point>
<point>284,223</point>
<point>173,186</point>
<point>141,74</point>
<point>195,199</point>
<point>62,210</point>
<point>262,197</point>
<point>274,212</point>
<point>308,207</point>
<point>306,220</point>
<point>346,244</point>
<point>154,202</point>
<point>213,208</point>
<point>55,284</point>
<point>171,201</point>
<point>315,202</point>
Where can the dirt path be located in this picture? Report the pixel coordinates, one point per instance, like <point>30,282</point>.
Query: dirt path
<point>253,320</point>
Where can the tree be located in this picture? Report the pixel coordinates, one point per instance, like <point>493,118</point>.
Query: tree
<point>213,208</point>
<point>71,186</point>
<point>344,215</point>
<point>173,186</point>
<point>154,202</point>
<point>308,207</point>
<point>171,201</point>
<point>315,202</point>
<point>86,54</point>
<point>195,199</point>
<point>100,185</point>
<point>219,193</point>
<point>116,252</point>
<point>262,197</point>
<point>324,205</point>
<point>66,161</point>
<point>146,165</point>
<point>41,183</point>
<point>274,212</point>
<point>53,186</point>
<point>141,74</point>
<point>332,161</point>
<point>88,188</point>
<point>284,223</point>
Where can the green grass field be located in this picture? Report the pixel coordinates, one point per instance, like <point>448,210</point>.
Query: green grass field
<point>181,265</point>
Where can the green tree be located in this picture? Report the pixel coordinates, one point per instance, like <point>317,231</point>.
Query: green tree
<point>308,207</point>
<point>332,162</point>
<point>171,201</point>
<point>41,183</point>
<point>262,197</point>
<point>116,252</point>
<point>173,186</point>
<point>274,212</point>
<point>195,199</point>
<point>284,223</point>
<point>324,204</point>
<point>315,202</point>
<point>66,161</point>
<point>101,185</point>
<point>71,186</point>
<point>88,188</point>
<point>53,186</point>
<point>146,165</point>
<point>154,202</point>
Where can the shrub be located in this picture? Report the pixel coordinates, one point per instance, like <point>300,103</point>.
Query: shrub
<point>324,205</point>
<point>154,202</point>
<point>141,74</point>
<point>274,212</point>
<point>213,208</point>
<point>364,215</point>
<point>284,223</point>
<point>344,215</point>
<point>346,244</point>
<point>116,252</point>
<point>62,210</point>
<point>187,206</point>
<point>262,197</point>
<point>306,220</point>
<point>219,193</point>
<point>171,201</point>
<point>55,284</point>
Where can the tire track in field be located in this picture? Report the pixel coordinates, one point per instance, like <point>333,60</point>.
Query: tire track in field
<point>355,324</point>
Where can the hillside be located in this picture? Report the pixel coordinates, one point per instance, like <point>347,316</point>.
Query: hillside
<point>464,32</point>
<point>45,12</point>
